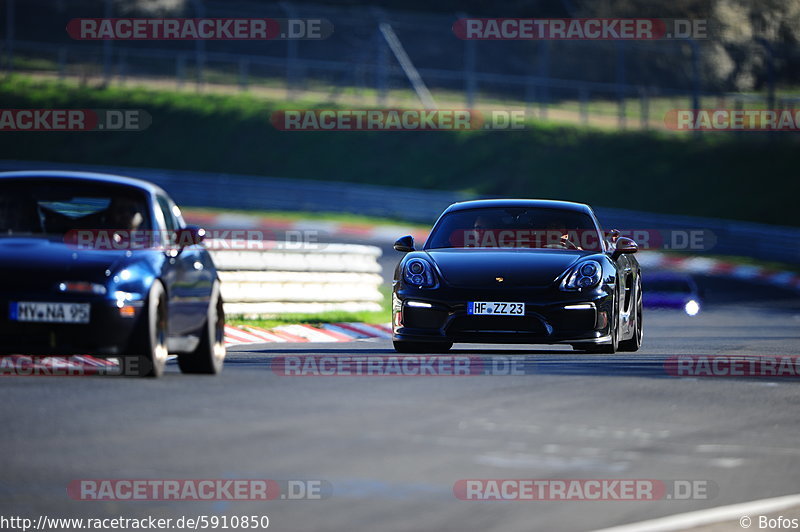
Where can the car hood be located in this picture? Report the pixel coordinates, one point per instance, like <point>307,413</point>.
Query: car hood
<point>518,267</point>
<point>50,259</point>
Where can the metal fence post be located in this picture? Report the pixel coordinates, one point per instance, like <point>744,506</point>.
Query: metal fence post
<point>645,109</point>
<point>470,81</point>
<point>383,71</point>
<point>737,105</point>
<point>621,84</point>
<point>583,96</point>
<point>695,77</point>
<point>122,67</point>
<point>770,71</point>
<point>62,62</point>
<point>291,55</point>
<point>243,73</point>
<point>200,47</point>
<point>544,73</point>
<point>108,13</point>
<point>180,70</point>
<point>10,36</point>
<point>530,96</point>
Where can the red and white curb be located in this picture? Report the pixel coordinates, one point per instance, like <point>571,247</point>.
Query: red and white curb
<point>719,268</point>
<point>329,332</point>
<point>234,335</point>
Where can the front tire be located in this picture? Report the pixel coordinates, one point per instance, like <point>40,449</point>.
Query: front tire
<point>635,342</point>
<point>147,354</point>
<point>209,356</point>
<point>611,348</point>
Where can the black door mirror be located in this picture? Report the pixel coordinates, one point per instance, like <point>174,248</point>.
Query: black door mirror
<point>404,244</point>
<point>624,245</point>
<point>191,235</point>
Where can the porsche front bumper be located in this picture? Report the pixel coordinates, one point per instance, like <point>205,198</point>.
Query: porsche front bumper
<point>551,317</point>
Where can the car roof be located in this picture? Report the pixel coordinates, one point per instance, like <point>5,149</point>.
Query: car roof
<point>530,203</point>
<point>85,176</point>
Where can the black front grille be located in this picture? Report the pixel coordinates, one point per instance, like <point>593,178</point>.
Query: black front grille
<point>524,324</point>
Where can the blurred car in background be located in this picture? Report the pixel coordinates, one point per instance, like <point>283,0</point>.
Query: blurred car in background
<point>669,290</point>
<point>102,265</point>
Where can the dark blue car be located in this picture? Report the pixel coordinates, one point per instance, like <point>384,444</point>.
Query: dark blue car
<point>104,265</point>
<point>670,290</point>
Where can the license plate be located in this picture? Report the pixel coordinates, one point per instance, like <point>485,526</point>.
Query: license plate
<point>495,308</point>
<point>50,312</point>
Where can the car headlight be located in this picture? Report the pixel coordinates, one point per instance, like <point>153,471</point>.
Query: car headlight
<point>583,275</point>
<point>692,307</point>
<point>418,272</point>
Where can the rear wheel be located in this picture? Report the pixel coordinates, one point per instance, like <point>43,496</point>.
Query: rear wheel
<point>422,347</point>
<point>147,354</point>
<point>635,342</point>
<point>209,356</point>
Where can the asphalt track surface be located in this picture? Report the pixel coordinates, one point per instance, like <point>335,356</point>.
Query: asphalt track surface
<point>392,448</point>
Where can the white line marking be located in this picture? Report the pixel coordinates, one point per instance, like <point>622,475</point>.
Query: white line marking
<point>711,515</point>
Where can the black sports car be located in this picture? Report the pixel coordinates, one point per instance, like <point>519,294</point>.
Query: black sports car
<point>518,271</point>
<point>103,265</point>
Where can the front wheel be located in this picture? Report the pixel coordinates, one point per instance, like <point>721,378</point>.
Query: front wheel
<point>635,342</point>
<point>209,356</point>
<point>422,347</point>
<point>613,346</point>
<point>147,354</point>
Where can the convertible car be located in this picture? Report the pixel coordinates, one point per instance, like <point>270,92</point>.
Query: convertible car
<point>102,265</point>
<point>518,271</point>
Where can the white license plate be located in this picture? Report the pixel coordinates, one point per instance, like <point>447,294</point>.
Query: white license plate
<point>495,308</point>
<point>50,312</point>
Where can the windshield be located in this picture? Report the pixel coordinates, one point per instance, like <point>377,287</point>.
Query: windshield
<point>540,228</point>
<point>56,208</point>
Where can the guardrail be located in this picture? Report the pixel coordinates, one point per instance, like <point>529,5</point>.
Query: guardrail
<point>732,237</point>
<point>280,278</point>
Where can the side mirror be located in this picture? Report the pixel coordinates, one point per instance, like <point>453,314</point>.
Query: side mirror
<point>624,245</point>
<point>404,244</point>
<point>191,235</point>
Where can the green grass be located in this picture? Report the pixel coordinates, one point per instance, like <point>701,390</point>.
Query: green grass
<point>603,111</point>
<point>379,316</point>
<point>314,319</point>
<point>748,177</point>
